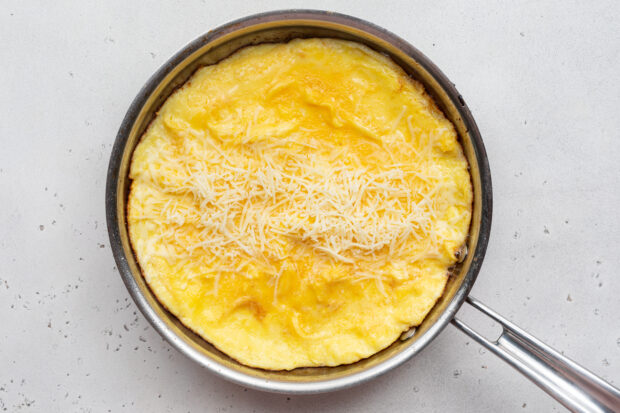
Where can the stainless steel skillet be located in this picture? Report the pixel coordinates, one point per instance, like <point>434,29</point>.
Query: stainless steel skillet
<point>572,385</point>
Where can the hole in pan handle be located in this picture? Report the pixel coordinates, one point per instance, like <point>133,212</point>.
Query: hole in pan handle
<point>578,389</point>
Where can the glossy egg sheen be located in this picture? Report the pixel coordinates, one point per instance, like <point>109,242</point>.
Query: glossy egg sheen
<point>287,270</point>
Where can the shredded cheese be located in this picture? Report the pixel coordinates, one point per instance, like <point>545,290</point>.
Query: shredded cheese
<point>246,208</point>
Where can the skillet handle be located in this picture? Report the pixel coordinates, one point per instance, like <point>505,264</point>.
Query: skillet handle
<point>578,389</point>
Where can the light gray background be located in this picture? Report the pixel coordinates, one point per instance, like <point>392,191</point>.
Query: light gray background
<point>541,78</point>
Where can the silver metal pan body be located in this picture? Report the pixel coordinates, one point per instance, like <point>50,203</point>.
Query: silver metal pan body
<point>283,26</point>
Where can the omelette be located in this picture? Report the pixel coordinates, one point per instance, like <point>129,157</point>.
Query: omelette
<point>299,204</point>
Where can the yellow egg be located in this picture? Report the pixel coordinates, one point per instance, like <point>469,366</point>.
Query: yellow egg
<point>299,204</point>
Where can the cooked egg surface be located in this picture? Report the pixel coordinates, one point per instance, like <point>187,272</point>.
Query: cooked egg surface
<point>299,204</point>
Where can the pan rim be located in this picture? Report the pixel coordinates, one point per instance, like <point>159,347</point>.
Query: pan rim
<point>114,230</point>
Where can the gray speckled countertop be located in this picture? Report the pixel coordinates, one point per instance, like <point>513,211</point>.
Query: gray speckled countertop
<point>542,81</point>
